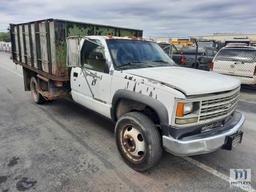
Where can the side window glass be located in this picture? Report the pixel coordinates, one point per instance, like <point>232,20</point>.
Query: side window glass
<point>167,50</point>
<point>93,57</point>
<point>174,50</point>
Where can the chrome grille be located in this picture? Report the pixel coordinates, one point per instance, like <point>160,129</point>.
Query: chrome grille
<point>218,106</point>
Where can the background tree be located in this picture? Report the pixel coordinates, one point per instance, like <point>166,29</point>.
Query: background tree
<point>5,36</point>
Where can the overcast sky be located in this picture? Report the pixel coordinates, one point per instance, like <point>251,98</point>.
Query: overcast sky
<point>155,17</point>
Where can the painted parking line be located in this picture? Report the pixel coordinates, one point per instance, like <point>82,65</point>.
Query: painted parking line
<point>212,171</point>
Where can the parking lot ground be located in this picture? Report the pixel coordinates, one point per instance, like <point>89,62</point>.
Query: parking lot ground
<point>61,146</point>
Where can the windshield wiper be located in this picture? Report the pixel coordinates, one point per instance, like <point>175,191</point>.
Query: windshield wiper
<point>128,64</point>
<point>160,61</point>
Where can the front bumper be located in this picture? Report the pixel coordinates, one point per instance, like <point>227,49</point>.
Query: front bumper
<point>200,144</point>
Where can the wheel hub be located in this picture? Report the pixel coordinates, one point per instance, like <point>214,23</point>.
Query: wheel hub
<point>133,143</point>
<point>129,143</point>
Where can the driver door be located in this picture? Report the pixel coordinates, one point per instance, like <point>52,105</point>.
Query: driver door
<point>91,82</point>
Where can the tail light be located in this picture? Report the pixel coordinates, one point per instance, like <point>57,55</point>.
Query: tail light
<point>182,60</point>
<point>254,73</point>
<point>210,66</point>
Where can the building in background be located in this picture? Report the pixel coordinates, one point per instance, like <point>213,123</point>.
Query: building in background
<point>159,39</point>
<point>222,37</point>
<point>228,37</point>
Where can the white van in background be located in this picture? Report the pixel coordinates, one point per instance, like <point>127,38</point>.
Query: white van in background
<point>237,61</point>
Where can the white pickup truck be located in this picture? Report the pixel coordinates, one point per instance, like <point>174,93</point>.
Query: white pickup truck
<point>155,104</point>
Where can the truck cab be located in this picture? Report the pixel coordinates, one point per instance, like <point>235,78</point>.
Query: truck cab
<point>155,104</point>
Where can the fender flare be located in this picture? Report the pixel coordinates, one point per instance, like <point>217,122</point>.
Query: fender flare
<point>156,105</point>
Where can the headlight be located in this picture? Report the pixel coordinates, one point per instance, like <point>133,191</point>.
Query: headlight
<point>187,108</point>
<point>187,112</point>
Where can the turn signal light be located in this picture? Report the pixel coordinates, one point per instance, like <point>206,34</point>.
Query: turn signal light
<point>180,111</point>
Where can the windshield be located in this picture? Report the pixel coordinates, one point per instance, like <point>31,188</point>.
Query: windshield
<point>128,54</point>
<point>245,55</point>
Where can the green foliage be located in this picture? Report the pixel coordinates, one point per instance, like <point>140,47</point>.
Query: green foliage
<point>5,36</point>
<point>76,31</point>
<point>61,52</point>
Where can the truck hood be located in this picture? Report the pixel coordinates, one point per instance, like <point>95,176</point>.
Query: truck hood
<point>187,80</point>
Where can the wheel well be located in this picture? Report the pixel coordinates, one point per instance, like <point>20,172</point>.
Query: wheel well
<point>126,105</point>
<point>27,74</point>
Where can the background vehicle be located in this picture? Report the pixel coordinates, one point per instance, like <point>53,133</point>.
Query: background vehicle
<point>239,62</point>
<point>244,42</point>
<point>155,104</point>
<point>196,54</point>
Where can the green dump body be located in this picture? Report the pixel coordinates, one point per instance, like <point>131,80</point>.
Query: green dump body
<point>41,45</point>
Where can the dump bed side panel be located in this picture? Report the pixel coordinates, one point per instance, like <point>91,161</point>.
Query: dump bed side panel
<point>41,45</point>
<point>33,45</point>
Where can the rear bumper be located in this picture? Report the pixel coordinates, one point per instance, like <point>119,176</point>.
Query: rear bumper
<point>247,80</point>
<point>202,144</point>
<point>244,80</point>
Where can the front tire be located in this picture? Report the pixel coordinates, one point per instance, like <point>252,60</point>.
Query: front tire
<point>138,141</point>
<point>34,87</point>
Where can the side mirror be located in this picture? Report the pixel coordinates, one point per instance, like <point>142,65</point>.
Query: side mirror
<point>97,56</point>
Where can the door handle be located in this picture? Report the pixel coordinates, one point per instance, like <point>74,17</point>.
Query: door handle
<point>75,74</point>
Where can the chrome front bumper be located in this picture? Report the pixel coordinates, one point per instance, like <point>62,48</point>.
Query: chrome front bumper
<point>200,145</point>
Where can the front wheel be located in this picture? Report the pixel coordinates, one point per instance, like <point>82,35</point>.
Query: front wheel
<point>138,141</point>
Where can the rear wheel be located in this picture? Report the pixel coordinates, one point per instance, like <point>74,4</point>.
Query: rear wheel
<point>34,87</point>
<point>138,141</point>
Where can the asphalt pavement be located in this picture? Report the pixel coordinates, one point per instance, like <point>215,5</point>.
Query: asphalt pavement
<point>61,146</point>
